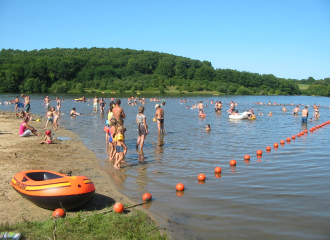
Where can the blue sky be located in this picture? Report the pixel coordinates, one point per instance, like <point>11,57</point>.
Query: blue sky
<point>287,38</point>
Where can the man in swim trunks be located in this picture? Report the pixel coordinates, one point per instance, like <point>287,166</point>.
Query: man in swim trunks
<point>296,110</point>
<point>159,115</point>
<point>304,115</point>
<point>47,102</point>
<point>95,103</point>
<point>200,106</point>
<point>102,105</point>
<point>117,111</point>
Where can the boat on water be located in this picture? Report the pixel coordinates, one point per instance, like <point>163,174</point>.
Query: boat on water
<point>243,115</point>
<point>51,190</point>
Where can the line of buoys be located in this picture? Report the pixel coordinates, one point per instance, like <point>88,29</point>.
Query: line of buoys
<point>232,162</point>
<point>201,177</point>
<point>118,208</point>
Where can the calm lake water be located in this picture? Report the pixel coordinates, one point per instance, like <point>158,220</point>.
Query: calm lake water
<point>282,195</point>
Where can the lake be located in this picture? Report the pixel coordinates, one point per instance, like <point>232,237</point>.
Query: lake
<point>282,195</point>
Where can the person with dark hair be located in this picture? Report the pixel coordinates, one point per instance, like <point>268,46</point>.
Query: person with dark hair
<point>142,127</point>
<point>118,112</point>
<point>74,113</point>
<point>25,129</point>
<point>159,115</point>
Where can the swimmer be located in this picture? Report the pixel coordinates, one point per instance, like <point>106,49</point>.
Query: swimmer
<point>112,132</point>
<point>159,115</point>
<point>47,102</point>
<point>316,112</point>
<point>304,115</point>
<point>270,114</point>
<point>208,127</point>
<point>118,112</point>
<point>284,109</point>
<point>74,113</point>
<point>296,110</point>
<point>311,120</point>
<point>58,104</point>
<point>56,117</point>
<point>95,103</point>
<point>102,105</point>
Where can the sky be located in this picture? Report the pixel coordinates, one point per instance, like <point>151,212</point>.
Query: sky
<point>286,38</point>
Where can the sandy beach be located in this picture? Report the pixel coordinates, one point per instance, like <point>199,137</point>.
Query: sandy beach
<point>24,153</point>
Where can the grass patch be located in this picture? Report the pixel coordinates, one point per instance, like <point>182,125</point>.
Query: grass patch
<point>303,86</point>
<point>110,225</point>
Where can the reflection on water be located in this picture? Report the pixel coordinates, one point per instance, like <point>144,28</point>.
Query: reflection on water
<point>283,194</point>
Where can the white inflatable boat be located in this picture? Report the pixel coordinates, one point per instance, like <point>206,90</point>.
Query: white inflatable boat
<point>239,116</point>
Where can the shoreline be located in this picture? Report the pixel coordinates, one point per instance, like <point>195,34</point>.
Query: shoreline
<point>24,153</point>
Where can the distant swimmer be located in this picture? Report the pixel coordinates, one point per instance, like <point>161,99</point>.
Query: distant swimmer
<point>316,112</point>
<point>284,109</point>
<point>304,115</point>
<point>47,102</point>
<point>58,104</point>
<point>95,103</point>
<point>296,110</point>
<point>26,103</point>
<point>208,127</point>
<point>74,113</point>
<point>270,114</point>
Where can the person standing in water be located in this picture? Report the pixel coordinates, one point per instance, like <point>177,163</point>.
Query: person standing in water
<point>58,104</point>
<point>95,103</point>
<point>47,102</point>
<point>26,103</point>
<point>159,115</point>
<point>117,111</point>
<point>304,115</point>
<point>142,128</point>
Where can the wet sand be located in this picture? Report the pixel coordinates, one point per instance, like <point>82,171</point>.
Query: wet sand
<point>24,153</point>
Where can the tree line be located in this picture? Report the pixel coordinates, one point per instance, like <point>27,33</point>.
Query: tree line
<point>60,70</point>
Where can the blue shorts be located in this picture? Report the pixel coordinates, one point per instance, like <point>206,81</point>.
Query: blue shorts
<point>304,119</point>
<point>119,149</point>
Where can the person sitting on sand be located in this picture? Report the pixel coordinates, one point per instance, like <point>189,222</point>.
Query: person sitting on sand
<point>48,138</point>
<point>25,129</point>
<point>74,113</point>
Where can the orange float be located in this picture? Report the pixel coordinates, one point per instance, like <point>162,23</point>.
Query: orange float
<point>247,157</point>
<point>288,139</point>
<point>298,134</point>
<point>268,148</point>
<point>146,197</point>
<point>52,190</point>
<point>306,131</point>
<point>293,136</point>
<point>275,145</point>
<point>118,207</point>
<point>201,177</point>
<point>59,213</point>
<point>282,142</point>
<point>302,133</point>
<point>179,187</point>
<point>259,152</point>
<point>232,163</point>
<point>217,169</point>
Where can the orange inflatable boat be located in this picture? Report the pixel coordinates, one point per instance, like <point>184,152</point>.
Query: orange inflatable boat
<point>52,190</point>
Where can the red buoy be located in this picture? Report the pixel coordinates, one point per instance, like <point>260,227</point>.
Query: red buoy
<point>232,163</point>
<point>259,152</point>
<point>268,148</point>
<point>118,207</point>
<point>275,145</point>
<point>201,177</point>
<point>146,197</point>
<point>282,142</point>
<point>288,139</point>
<point>247,157</point>
<point>59,213</point>
<point>217,170</point>
<point>179,187</point>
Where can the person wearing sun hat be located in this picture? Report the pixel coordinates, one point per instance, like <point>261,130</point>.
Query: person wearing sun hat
<point>159,115</point>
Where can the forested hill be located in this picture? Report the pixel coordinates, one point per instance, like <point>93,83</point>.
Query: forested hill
<point>62,70</point>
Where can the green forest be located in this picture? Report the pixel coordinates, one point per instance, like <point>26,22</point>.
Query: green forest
<point>61,70</point>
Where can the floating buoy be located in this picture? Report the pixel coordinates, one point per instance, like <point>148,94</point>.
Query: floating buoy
<point>232,162</point>
<point>259,152</point>
<point>293,136</point>
<point>59,213</point>
<point>302,133</point>
<point>146,197</point>
<point>306,131</point>
<point>288,139</point>
<point>282,142</point>
<point>247,157</point>
<point>118,207</point>
<point>298,134</point>
<point>275,145</point>
<point>179,187</point>
<point>201,177</point>
<point>217,170</point>
<point>268,148</point>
